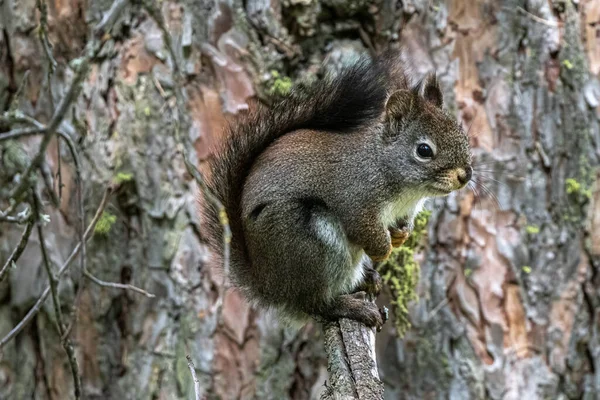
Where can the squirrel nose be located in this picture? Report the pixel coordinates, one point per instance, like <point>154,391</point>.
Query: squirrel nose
<point>465,175</point>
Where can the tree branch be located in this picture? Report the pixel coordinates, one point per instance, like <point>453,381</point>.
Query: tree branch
<point>53,282</point>
<point>17,251</point>
<point>352,364</point>
<point>38,305</point>
<point>194,377</point>
<point>100,282</point>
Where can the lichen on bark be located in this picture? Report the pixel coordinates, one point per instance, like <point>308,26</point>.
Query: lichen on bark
<point>401,272</point>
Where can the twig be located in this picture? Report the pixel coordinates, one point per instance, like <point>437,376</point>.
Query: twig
<point>539,19</point>
<point>66,342</point>
<point>100,282</point>
<point>110,17</point>
<point>48,182</point>
<point>20,117</point>
<point>72,149</point>
<point>437,308</point>
<point>15,101</point>
<point>57,119</point>
<point>92,49</point>
<point>51,278</point>
<point>43,31</point>
<point>21,218</point>
<point>19,132</point>
<point>38,305</point>
<point>14,257</point>
<point>194,377</point>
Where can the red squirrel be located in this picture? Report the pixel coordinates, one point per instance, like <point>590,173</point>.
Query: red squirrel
<point>327,180</point>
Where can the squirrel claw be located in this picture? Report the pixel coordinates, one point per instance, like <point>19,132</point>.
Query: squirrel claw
<point>385,316</point>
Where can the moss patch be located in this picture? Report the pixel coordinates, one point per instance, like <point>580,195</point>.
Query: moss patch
<point>122,177</point>
<point>105,222</point>
<point>401,273</point>
<point>279,85</point>
<point>577,188</point>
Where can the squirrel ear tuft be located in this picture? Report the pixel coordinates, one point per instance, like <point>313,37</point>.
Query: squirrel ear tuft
<point>399,104</point>
<point>431,90</point>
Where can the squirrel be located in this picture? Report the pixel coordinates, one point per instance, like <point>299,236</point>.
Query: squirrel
<point>326,181</point>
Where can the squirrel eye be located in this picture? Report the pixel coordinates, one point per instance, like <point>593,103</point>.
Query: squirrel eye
<point>424,150</point>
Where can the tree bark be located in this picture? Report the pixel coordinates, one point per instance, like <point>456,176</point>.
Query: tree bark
<point>509,285</point>
<point>352,363</point>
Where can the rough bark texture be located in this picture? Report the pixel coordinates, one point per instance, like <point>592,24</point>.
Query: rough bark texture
<point>509,293</point>
<point>352,362</point>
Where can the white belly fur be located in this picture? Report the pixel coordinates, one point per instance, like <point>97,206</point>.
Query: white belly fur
<point>401,208</point>
<point>389,215</point>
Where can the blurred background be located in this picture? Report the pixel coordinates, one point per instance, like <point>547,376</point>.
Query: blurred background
<point>508,296</point>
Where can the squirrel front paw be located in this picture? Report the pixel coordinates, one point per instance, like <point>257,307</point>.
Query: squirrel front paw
<point>377,257</point>
<point>399,236</point>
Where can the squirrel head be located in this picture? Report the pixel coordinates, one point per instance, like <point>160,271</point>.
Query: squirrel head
<point>424,147</point>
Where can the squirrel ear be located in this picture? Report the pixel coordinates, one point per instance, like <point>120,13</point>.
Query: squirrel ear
<point>431,90</point>
<point>399,104</point>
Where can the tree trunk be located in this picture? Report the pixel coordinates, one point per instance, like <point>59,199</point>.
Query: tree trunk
<point>508,293</point>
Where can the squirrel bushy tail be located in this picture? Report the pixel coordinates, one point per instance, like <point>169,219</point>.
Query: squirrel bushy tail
<point>352,99</point>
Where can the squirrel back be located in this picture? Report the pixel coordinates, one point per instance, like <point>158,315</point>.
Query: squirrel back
<point>347,102</point>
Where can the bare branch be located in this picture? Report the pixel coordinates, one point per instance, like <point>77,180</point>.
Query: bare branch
<point>18,116</point>
<point>38,305</point>
<point>43,33</point>
<point>92,49</point>
<point>100,282</point>
<point>15,101</point>
<point>21,218</point>
<point>48,183</point>
<point>110,17</point>
<point>59,115</point>
<point>194,377</point>
<point>19,132</point>
<point>66,342</point>
<point>14,257</point>
<point>554,24</point>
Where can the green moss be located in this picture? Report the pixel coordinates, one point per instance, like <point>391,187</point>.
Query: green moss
<point>575,187</point>
<point>105,222</point>
<point>532,229</point>
<point>568,64</point>
<point>280,85</point>
<point>122,177</point>
<point>572,186</point>
<point>401,273</point>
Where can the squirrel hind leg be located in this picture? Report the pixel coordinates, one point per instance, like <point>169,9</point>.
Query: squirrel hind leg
<point>300,257</point>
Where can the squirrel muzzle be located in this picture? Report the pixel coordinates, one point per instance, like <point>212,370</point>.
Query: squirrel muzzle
<point>454,179</point>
